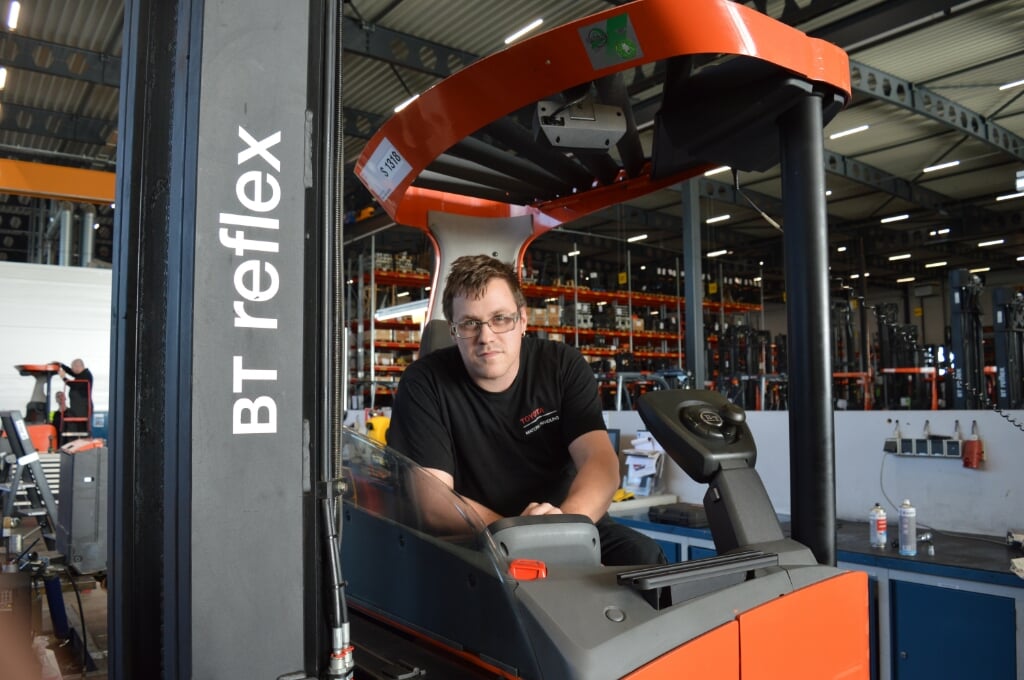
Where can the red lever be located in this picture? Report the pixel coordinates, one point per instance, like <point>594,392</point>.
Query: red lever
<point>527,570</point>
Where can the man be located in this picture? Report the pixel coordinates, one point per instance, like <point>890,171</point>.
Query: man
<point>78,378</point>
<point>513,424</point>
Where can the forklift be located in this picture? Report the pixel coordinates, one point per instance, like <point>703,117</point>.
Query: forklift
<point>245,517</point>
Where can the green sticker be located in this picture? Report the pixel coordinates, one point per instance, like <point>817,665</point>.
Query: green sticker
<point>611,42</point>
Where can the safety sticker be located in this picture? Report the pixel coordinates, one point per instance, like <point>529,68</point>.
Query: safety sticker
<point>385,170</point>
<point>611,42</point>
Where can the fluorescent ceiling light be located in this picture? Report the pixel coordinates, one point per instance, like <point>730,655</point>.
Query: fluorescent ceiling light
<point>719,218</point>
<point>408,101</point>
<point>523,31</point>
<point>404,293</point>
<point>717,253</point>
<point>901,256</point>
<point>993,242</point>
<point>13,14</point>
<point>1007,86</point>
<point>894,218</point>
<point>939,232</point>
<point>828,192</point>
<point>3,77</point>
<point>906,279</point>
<point>638,237</point>
<point>573,253</point>
<point>854,276</point>
<point>1007,197</point>
<point>847,133</point>
<point>717,171</point>
<point>941,166</point>
<point>979,270</point>
<point>1020,258</point>
<point>841,249</point>
<point>757,279</point>
<point>933,265</point>
<point>404,309</point>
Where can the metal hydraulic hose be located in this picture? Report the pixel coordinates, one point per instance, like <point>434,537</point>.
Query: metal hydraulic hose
<point>340,662</point>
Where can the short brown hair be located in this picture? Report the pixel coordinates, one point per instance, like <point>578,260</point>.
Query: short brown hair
<point>469,276</point>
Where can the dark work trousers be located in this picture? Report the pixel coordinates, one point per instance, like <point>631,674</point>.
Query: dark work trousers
<point>625,546</point>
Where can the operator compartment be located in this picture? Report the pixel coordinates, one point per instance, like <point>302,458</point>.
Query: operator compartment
<point>527,597</point>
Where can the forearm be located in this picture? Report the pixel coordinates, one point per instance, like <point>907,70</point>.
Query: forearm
<point>486,514</point>
<point>592,490</point>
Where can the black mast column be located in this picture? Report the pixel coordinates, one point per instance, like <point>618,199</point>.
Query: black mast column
<point>811,426</point>
<point>213,422</point>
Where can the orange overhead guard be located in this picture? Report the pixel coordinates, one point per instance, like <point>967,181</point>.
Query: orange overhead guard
<point>709,75</point>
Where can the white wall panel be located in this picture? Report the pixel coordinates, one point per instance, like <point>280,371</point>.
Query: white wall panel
<point>50,313</point>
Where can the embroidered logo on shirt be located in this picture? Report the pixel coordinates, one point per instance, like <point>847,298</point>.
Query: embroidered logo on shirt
<point>536,419</point>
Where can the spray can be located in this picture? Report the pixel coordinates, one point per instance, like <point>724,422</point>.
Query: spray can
<point>877,527</point>
<point>908,529</point>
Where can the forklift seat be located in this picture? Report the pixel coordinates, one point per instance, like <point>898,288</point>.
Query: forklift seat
<point>436,335</point>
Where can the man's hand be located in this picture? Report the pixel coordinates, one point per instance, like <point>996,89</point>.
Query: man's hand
<point>540,509</point>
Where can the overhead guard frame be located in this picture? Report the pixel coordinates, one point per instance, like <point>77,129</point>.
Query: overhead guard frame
<point>752,91</point>
<point>451,131</point>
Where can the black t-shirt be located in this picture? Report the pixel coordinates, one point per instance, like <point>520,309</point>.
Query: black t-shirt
<point>79,392</point>
<point>505,449</point>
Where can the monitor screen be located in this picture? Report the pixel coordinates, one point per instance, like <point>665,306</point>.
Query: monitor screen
<point>614,435</point>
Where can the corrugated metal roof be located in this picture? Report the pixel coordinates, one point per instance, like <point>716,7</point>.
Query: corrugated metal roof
<point>963,54</point>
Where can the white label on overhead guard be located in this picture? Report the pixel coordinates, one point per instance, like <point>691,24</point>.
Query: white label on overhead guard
<point>385,170</point>
<point>1020,180</point>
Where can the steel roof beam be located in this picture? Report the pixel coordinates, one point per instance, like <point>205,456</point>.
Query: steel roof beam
<point>884,86</point>
<point>402,49</point>
<point>40,56</point>
<point>58,125</point>
<point>361,124</point>
<point>793,13</point>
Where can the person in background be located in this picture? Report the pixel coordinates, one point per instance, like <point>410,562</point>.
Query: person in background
<point>78,378</point>
<point>57,420</point>
<point>511,423</point>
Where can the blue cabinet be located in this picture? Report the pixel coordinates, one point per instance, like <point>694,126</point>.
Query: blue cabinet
<point>697,552</point>
<point>946,633</point>
<point>673,551</point>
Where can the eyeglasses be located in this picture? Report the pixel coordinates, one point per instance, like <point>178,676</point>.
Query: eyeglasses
<point>499,323</point>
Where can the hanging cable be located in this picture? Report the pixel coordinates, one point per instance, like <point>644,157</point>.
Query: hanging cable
<point>736,186</point>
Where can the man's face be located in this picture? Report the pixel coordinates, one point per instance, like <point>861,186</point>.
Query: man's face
<point>492,359</point>
<point>77,365</point>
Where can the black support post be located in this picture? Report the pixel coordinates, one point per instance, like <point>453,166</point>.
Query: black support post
<point>696,360</point>
<point>811,426</point>
<point>214,420</point>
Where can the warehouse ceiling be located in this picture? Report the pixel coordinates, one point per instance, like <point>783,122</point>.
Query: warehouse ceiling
<point>933,83</point>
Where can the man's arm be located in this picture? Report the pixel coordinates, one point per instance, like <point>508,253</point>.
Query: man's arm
<point>486,514</point>
<point>597,475</point>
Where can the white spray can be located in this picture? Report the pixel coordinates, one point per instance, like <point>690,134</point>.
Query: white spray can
<point>878,527</point>
<point>908,529</point>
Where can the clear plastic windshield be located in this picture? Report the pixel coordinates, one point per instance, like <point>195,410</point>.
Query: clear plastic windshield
<point>383,482</point>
